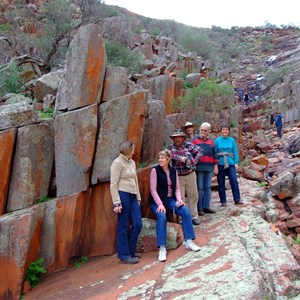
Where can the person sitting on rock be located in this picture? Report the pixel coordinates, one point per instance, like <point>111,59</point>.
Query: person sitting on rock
<point>165,195</point>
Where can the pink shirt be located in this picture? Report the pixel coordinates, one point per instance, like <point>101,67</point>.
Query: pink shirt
<point>153,187</point>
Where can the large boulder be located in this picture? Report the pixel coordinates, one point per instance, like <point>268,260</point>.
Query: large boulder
<point>75,140</point>
<point>47,85</point>
<point>17,114</point>
<point>154,122</point>
<point>62,233</point>
<point>85,69</point>
<point>32,165</point>
<point>121,119</point>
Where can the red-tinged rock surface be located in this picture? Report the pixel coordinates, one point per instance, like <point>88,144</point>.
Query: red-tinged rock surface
<point>7,141</point>
<point>236,261</point>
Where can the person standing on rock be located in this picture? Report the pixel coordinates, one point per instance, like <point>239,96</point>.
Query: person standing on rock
<point>189,129</point>
<point>126,203</point>
<point>228,158</point>
<point>165,195</point>
<point>246,99</point>
<point>278,122</point>
<point>185,156</point>
<point>205,168</point>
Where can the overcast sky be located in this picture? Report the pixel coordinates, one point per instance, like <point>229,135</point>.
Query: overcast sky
<point>223,13</point>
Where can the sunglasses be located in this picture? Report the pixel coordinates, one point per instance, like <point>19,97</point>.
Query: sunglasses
<point>190,126</point>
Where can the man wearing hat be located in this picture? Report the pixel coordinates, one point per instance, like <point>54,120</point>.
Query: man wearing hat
<point>189,129</point>
<point>185,156</point>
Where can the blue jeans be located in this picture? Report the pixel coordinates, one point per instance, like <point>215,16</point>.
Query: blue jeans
<point>204,188</point>
<point>279,131</point>
<point>161,224</point>
<point>127,236</point>
<point>231,173</point>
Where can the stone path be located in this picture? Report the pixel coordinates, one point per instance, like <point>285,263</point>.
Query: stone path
<point>241,257</point>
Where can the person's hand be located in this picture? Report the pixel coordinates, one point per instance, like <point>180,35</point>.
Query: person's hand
<point>117,209</point>
<point>216,170</point>
<point>183,159</point>
<point>236,167</point>
<point>161,208</point>
<point>179,203</point>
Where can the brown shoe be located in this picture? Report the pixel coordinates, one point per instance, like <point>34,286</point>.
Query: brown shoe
<point>201,212</point>
<point>239,203</point>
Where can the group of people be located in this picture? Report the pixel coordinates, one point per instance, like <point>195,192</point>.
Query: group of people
<point>180,182</point>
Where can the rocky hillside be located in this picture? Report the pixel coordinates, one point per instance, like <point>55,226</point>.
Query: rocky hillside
<point>59,135</point>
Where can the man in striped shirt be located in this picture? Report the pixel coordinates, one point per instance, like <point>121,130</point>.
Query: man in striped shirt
<point>185,157</point>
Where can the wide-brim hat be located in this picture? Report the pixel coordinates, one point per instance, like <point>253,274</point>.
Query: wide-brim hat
<point>188,123</point>
<point>178,132</point>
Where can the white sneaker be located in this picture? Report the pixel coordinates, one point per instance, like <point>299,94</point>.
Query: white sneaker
<point>162,254</point>
<point>189,244</point>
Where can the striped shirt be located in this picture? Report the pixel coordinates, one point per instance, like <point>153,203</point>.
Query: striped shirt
<point>209,158</point>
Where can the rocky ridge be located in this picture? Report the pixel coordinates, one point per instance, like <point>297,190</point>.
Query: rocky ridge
<point>64,170</point>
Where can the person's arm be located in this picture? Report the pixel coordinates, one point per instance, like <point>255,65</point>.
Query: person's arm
<point>197,153</point>
<point>138,195</point>
<point>176,156</point>
<point>153,187</point>
<point>235,152</point>
<point>177,192</point>
<point>115,174</point>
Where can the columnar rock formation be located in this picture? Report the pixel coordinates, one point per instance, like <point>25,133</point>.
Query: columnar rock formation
<point>69,159</point>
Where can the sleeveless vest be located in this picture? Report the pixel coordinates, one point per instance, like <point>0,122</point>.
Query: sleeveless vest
<point>162,183</point>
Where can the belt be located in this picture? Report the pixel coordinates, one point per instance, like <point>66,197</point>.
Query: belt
<point>185,174</point>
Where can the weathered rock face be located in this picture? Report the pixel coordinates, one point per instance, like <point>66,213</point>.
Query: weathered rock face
<point>120,119</point>
<point>75,140</point>
<point>88,131</point>
<point>154,122</point>
<point>86,61</point>
<point>115,83</point>
<point>283,186</point>
<point>147,238</point>
<point>16,115</point>
<point>7,142</point>
<point>47,85</point>
<point>22,228</point>
<point>100,221</point>
<point>32,166</point>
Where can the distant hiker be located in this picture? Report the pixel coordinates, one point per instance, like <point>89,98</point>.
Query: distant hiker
<point>240,94</point>
<point>246,99</point>
<point>228,157</point>
<point>126,203</point>
<point>278,122</point>
<point>165,195</point>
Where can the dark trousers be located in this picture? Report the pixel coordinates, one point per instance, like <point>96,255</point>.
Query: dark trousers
<point>231,173</point>
<point>127,236</point>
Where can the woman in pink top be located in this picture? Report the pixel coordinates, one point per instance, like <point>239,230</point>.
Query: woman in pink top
<point>165,195</point>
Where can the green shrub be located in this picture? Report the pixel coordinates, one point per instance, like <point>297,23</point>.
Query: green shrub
<point>155,31</point>
<point>209,94</point>
<point>121,56</point>
<point>47,114</point>
<point>43,199</point>
<point>5,27</point>
<point>11,80</point>
<point>276,76</point>
<point>34,271</point>
<point>82,260</point>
